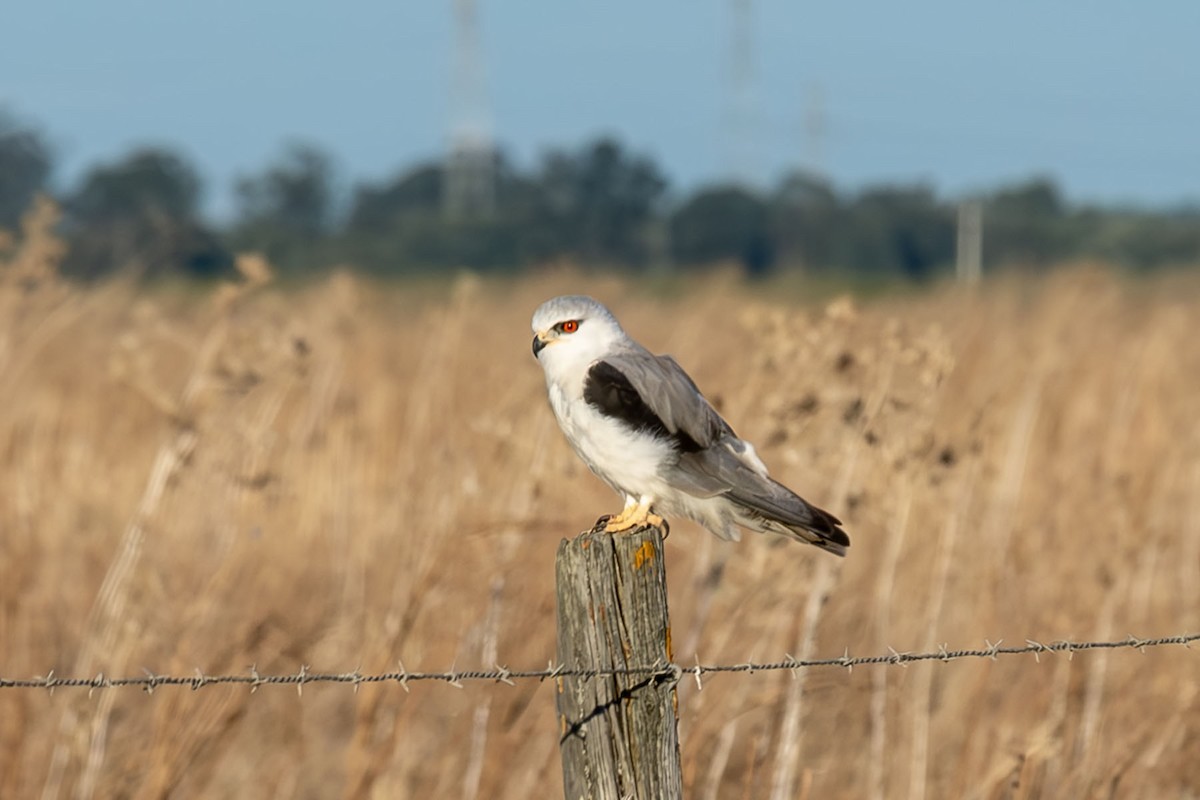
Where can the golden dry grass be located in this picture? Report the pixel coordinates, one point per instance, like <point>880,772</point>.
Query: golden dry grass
<point>348,475</point>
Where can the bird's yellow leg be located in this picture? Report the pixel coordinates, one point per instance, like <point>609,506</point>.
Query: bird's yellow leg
<point>617,522</point>
<point>634,516</point>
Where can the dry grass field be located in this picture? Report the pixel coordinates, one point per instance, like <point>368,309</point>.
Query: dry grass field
<point>346,475</point>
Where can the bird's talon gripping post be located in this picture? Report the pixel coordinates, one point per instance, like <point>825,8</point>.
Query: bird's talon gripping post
<point>619,525</point>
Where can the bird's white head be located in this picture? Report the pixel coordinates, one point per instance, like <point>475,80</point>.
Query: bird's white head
<point>572,332</point>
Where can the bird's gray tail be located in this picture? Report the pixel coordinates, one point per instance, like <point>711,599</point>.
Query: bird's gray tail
<point>778,509</point>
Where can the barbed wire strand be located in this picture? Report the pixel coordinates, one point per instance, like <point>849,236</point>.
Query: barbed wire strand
<point>660,671</point>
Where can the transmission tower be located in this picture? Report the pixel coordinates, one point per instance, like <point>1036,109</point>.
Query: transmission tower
<point>815,129</point>
<point>742,121</point>
<point>469,189</point>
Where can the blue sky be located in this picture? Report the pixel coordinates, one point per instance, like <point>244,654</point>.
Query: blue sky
<point>1103,96</point>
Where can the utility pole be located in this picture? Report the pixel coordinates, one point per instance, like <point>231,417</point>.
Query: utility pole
<point>969,260</point>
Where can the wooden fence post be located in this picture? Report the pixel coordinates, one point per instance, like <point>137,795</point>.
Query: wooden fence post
<point>618,735</point>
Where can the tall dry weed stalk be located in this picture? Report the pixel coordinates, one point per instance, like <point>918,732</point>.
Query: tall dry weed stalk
<point>108,615</point>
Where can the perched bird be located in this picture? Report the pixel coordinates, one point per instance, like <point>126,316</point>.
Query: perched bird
<point>639,422</point>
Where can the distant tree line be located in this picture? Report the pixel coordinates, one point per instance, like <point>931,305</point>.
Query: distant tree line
<point>598,204</point>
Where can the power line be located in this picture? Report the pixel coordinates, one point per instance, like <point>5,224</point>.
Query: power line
<point>664,671</point>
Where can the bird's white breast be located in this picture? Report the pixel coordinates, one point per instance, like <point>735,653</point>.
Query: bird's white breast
<point>626,460</point>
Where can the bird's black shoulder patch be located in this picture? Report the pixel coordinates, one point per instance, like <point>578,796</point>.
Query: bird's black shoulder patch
<point>607,390</point>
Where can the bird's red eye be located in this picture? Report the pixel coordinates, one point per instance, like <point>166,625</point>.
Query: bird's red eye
<point>570,326</point>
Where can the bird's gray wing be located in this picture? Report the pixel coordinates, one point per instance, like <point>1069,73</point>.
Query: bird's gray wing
<point>654,393</point>
<point>668,397</point>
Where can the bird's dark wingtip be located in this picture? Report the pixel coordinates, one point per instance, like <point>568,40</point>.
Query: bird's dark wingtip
<point>829,529</point>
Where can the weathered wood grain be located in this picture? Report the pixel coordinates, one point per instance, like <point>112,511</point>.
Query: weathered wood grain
<point>618,735</point>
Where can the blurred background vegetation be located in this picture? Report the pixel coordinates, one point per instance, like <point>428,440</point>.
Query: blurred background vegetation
<point>598,204</point>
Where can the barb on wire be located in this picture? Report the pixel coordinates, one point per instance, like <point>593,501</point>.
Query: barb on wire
<point>151,681</point>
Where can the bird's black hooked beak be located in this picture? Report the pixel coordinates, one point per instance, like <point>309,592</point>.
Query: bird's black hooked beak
<point>538,345</point>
